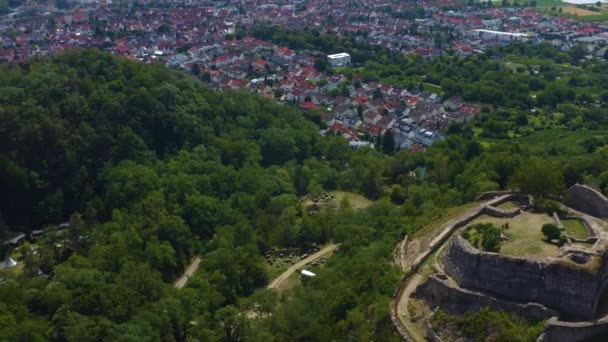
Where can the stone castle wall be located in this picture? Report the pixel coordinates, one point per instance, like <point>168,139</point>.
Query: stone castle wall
<point>438,292</point>
<point>488,207</point>
<point>568,288</point>
<point>588,200</point>
<point>560,331</point>
<point>484,196</point>
<point>497,212</point>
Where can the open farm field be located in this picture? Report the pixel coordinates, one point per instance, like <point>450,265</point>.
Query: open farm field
<point>579,11</point>
<point>570,140</point>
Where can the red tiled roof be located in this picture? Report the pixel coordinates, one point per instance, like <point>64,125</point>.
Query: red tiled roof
<point>416,148</point>
<point>308,105</point>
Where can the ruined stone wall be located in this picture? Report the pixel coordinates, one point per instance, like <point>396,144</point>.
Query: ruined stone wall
<point>589,225</point>
<point>497,212</point>
<point>461,222</point>
<point>491,194</point>
<point>588,200</point>
<point>454,299</point>
<point>432,336</point>
<point>565,287</point>
<point>559,331</point>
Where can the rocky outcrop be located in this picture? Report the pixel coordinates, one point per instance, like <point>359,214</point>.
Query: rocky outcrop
<point>588,200</point>
<point>558,284</point>
<point>452,298</point>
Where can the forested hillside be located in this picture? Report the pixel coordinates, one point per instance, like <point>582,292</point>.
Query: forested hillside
<point>151,168</point>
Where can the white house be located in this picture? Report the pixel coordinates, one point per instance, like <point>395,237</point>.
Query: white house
<point>339,59</point>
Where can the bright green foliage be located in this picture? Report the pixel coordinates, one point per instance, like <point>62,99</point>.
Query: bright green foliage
<point>151,167</point>
<point>484,235</point>
<point>539,178</point>
<point>551,231</point>
<point>491,239</point>
<point>485,325</point>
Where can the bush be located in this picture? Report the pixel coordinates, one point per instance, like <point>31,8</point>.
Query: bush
<point>485,325</point>
<point>485,236</point>
<point>551,231</point>
<point>491,239</point>
<point>562,240</point>
<point>549,207</point>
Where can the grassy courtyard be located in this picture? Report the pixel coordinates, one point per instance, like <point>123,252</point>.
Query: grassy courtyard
<point>524,233</point>
<point>575,228</point>
<point>508,206</point>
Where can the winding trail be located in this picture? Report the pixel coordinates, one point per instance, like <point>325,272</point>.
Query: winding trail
<point>278,281</point>
<point>181,282</point>
<point>435,247</point>
<point>403,314</point>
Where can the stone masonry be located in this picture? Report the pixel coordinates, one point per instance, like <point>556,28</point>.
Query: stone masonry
<point>568,288</point>
<point>588,200</point>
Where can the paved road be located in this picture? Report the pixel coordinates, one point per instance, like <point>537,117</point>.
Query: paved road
<point>188,273</point>
<point>278,281</point>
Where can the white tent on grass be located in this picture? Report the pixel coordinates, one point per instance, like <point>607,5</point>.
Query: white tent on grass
<point>307,273</point>
<point>8,263</point>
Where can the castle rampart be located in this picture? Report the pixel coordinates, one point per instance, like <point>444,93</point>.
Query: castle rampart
<point>562,285</point>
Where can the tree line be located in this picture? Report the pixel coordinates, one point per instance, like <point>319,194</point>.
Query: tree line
<point>150,167</point>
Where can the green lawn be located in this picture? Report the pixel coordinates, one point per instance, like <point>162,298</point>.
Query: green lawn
<point>433,88</point>
<point>549,3</point>
<point>292,281</point>
<point>575,228</point>
<point>583,244</point>
<point>524,233</point>
<point>598,17</point>
<point>356,200</point>
<point>561,139</point>
<point>508,206</point>
<point>439,221</point>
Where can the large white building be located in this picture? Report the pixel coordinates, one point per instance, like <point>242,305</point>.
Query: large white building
<point>339,59</point>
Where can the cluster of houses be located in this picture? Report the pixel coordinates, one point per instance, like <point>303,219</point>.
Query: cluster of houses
<point>143,31</point>
<point>358,111</point>
<point>203,39</point>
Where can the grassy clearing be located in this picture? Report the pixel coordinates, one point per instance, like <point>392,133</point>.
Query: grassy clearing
<point>575,228</point>
<point>574,12</point>
<point>548,3</point>
<point>567,140</point>
<point>583,244</point>
<point>273,271</point>
<point>524,233</point>
<point>508,206</point>
<point>291,282</point>
<point>596,17</point>
<point>356,200</point>
<point>578,11</point>
<point>433,88</point>
<point>280,265</point>
<point>438,222</point>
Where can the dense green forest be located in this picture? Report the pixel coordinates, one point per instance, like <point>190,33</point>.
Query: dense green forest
<point>151,168</point>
